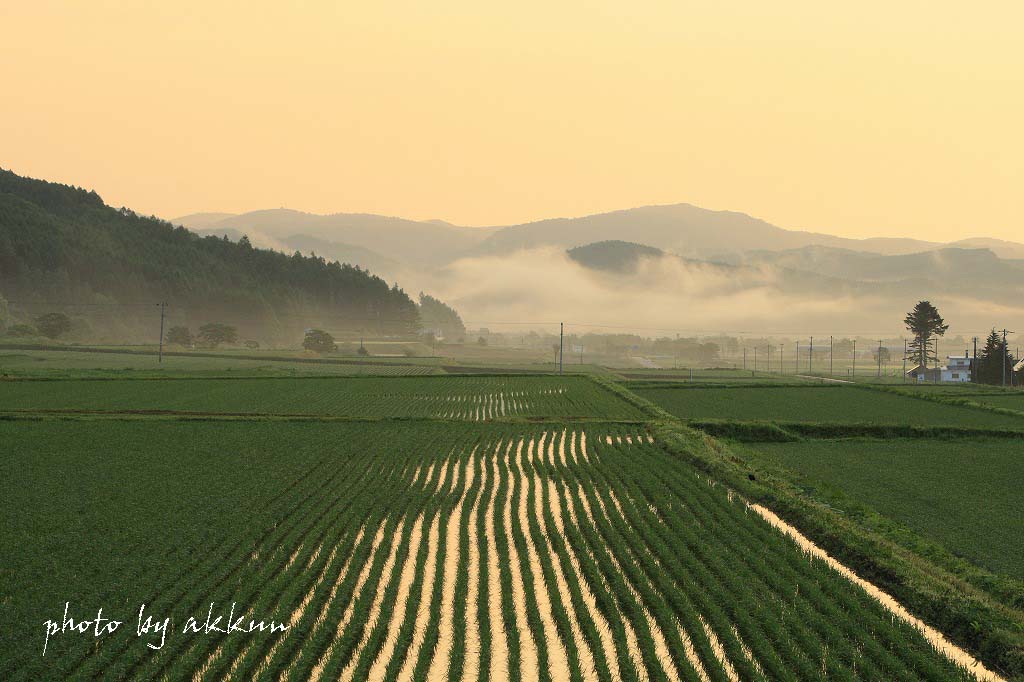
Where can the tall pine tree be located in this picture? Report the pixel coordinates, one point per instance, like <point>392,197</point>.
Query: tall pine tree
<point>925,323</point>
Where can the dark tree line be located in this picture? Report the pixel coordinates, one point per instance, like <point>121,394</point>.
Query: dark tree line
<point>995,362</point>
<point>63,243</point>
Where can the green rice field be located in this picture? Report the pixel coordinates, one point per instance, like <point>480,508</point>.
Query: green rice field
<point>835,404</point>
<point>428,550</point>
<point>964,495</point>
<point>471,398</point>
<point>74,364</point>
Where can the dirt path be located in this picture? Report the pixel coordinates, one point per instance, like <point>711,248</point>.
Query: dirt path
<point>530,662</point>
<point>499,640</point>
<point>557,656</point>
<point>471,670</point>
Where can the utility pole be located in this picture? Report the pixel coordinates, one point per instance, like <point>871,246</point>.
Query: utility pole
<point>810,357</point>
<point>163,306</point>
<point>879,358</point>
<point>1004,356</point>
<point>744,359</point>
<point>755,359</point>
<point>854,358</point>
<point>974,362</point>
<point>769,358</point>
<point>830,373</point>
<point>561,334</point>
<point>796,365</point>
<point>904,361</point>
<point>782,368</point>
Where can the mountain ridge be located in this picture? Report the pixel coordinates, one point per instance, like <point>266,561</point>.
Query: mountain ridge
<point>683,228</point>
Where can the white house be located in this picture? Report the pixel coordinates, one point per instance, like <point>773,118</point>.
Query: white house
<point>956,370</point>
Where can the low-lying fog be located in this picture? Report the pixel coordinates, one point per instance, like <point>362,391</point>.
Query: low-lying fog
<point>546,285</point>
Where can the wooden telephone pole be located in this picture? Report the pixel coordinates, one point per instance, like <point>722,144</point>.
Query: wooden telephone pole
<point>163,307</point>
<point>1004,356</point>
<point>561,336</point>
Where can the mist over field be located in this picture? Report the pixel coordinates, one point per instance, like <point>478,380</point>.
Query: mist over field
<point>659,294</point>
<point>659,269</point>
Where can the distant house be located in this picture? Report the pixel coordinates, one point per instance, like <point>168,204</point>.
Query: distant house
<point>921,373</point>
<point>956,370</point>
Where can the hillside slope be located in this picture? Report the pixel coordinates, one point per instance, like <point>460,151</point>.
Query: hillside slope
<point>63,245</point>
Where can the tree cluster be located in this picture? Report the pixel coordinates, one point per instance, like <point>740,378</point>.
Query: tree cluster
<point>211,335</point>
<point>439,318</point>
<point>995,362</point>
<point>319,341</point>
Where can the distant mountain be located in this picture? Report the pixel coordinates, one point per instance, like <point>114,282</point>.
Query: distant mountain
<point>344,253</point>
<point>230,233</point>
<point>613,255</point>
<point>356,256</point>
<point>683,229</point>
<point>421,243</point>
<point>201,221</point>
<point>977,272</point>
<point>1000,247</point>
<point>63,244</point>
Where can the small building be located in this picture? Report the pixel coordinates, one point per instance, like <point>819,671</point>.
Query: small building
<point>922,374</point>
<point>956,370</point>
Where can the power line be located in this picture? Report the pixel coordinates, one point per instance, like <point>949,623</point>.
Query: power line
<point>82,305</point>
<point>540,323</point>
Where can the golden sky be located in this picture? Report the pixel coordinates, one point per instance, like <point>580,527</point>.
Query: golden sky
<point>860,119</point>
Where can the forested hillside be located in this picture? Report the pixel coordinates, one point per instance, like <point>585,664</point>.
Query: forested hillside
<point>63,245</point>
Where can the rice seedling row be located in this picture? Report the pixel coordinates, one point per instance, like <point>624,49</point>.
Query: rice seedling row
<point>461,551</point>
<point>457,398</point>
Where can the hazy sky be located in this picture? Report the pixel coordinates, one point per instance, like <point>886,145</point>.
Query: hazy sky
<point>861,119</point>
